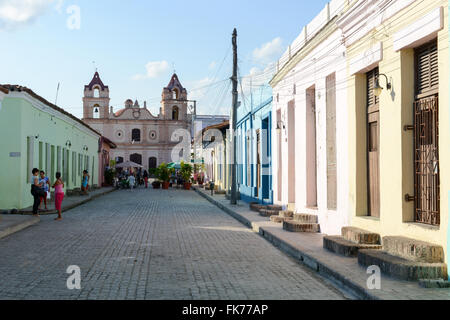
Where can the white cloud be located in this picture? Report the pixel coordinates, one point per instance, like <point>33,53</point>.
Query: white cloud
<point>16,13</point>
<point>269,51</point>
<point>154,70</point>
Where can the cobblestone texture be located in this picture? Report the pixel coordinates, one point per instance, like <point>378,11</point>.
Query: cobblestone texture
<point>151,244</point>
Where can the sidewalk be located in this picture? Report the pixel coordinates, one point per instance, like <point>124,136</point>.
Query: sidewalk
<point>69,202</point>
<point>307,248</point>
<point>10,224</point>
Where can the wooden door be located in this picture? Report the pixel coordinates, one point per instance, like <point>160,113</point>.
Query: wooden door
<point>373,146</point>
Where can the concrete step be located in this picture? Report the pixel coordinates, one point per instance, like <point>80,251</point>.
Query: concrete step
<point>268,213</point>
<point>360,236</point>
<point>306,218</point>
<point>343,247</point>
<point>402,268</point>
<point>414,250</point>
<point>296,226</point>
<point>286,214</point>
<point>279,219</point>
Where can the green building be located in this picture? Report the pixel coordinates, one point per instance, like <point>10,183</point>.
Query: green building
<point>37,134</point>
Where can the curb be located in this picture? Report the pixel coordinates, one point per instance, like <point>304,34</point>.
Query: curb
<point>18,227</point>
<point>305,259</point>
<point>69,207</point>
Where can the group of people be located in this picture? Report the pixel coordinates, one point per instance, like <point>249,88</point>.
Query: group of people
<point>127,179</point>
<point>40,190</point>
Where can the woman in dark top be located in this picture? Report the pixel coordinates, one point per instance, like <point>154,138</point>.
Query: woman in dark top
<point>146,178</point>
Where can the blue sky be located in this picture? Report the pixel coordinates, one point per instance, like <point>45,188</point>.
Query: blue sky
<point>135,43</point>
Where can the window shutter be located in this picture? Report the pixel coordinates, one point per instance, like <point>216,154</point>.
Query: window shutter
<point>427,69</point>
<point>372,76</point>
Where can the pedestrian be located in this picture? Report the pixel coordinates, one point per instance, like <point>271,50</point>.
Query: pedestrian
<point>59,194</point>
<point>131,181</point>
<point>36,191</point>
<point>146,178</point>
<point>85,183</point>
<point>45,181</point>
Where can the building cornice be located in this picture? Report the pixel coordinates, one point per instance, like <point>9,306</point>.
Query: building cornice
<point>298,56</point>
<point>366,15</point>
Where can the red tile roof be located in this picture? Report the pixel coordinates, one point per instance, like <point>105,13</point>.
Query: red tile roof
<point>3,89</point>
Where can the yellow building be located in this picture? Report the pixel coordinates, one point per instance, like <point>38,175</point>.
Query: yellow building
<point>398,102</point>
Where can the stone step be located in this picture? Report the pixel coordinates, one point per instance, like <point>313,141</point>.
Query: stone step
<point>360,236</point>
<point>274,207</point>
<point>343,247</point>
<point>279,219</point>
<point>306,218</point>
<point>268,213</point>
<point>257,206</point>
<point>286,214</point>
<point>414,250</point>
<point>402,268</point>
<point>296,226</point>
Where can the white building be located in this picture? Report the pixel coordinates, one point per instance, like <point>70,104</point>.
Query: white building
<point>310,144</point>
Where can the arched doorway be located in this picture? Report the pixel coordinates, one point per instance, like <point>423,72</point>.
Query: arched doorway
<point>152,163</point>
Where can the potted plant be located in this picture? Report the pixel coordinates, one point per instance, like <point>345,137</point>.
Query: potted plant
<point>186,173</point>
<point>164,173</point>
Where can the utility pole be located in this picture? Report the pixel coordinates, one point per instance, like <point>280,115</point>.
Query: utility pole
<point>234,121</point>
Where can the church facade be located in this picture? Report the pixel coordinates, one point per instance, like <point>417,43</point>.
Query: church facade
<point>140,136</point>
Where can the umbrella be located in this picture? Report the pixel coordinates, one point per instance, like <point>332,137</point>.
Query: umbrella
<point>128,164</point>
<point>174,165</point>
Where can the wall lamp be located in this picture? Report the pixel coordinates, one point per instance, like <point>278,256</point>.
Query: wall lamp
<point>377,89</point>
<point>280,125</point>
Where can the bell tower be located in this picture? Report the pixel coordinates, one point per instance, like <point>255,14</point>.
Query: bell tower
<point>96,99</point>
<point>174,101</point>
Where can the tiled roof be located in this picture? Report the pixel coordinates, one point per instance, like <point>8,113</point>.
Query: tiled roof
<point>18,88</point>
<point>220,126</point>
<point>3,89</point>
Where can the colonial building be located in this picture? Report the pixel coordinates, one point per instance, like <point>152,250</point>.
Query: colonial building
<point>44,136</point>
<point>140,136</point>
<point>309,117</point>
<point>399,160</point>
<point>254,152</point>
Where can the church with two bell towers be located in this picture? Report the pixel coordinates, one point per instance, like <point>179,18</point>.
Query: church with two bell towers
<point>140,136</point>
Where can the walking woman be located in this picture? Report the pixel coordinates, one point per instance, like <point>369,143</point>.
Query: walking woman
<point>59,194</point>
<point>36,191</point>
<point>146,179</point>
<point>85,183</point>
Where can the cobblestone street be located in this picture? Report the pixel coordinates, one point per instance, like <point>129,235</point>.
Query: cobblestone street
<point>151,244</point>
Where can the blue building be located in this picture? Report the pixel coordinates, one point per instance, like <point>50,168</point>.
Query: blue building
<point>254,152</point>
